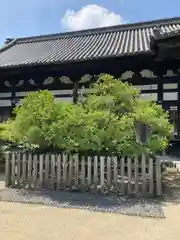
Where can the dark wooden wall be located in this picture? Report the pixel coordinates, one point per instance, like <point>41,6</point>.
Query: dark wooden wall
<point>75,71</point>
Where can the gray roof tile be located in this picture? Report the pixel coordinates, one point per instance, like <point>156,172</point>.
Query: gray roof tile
<point>113,41</point>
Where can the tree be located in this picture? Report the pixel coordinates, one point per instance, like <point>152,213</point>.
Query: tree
<point>38,110</point>
<point>106,121</point>
<point>125,102</point>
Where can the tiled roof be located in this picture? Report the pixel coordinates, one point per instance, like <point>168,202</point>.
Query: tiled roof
<point>159,35</point>
<point>127,39</point>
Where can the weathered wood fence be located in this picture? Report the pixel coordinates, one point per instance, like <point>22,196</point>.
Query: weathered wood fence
<point>127,176</point>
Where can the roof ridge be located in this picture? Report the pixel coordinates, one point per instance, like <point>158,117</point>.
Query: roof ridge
<point>122,27</point>
<point>8,45</point>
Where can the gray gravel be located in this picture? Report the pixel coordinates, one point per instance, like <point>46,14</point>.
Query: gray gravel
<point>97,203</point>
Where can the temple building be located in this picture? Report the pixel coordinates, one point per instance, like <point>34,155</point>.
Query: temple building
<point>145,54</point>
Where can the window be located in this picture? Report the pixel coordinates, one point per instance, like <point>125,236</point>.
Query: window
<point>5,103</point>
<point>170,96</point>
<point>146,87</point>
<point>3,95</point>
<point>22,94</point>
<point>170,85</point>
<point>69,99</point>
<point>85,90</point>
<point>151,96</point>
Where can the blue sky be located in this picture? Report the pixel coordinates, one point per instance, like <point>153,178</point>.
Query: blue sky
<point>34,17</point>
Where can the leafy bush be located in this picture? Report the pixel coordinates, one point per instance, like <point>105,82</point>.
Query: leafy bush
<point>106,121</point>
<point>125,102</point>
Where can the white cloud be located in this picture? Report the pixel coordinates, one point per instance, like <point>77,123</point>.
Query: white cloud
<point>90,16</point>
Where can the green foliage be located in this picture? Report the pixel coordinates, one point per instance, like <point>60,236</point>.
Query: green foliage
<point>150,113</point>
<point>6,131</point>
<point>38,110</point>
<point>124,100</point>
<point>112,94</point>
<point>105,121</point>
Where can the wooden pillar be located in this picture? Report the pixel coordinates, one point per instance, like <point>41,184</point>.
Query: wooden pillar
<point>178,107</point>
<point>13,98</point>
<point>160,90</point>
<point>75,92</point>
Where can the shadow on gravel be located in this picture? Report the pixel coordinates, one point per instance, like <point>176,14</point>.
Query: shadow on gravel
<point>171,180</point>
<point>91,202</point>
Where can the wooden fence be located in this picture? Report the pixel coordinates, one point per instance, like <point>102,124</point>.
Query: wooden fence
<point>127,176</point>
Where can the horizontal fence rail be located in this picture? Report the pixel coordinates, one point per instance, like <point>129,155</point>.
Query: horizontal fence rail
<point>139,176</point>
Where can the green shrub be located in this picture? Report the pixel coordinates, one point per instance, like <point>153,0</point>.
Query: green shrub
<point>106,121</point>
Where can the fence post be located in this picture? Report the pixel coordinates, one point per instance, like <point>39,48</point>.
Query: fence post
<point>65,162</point>
<point>89,172</point>
<point>8,163</point>
<point>71,164</point>
<point>24,168</point>
<point>95,173</point>
<point>29,170</point>
<point>41,170</point>
<point>53,165</point>
<point>115,164</point>
<point>83,182</point>
<point>58,177</point>
<point>13,170</point>
<point>102,173</point>
<point>151,177</point>
<point>129,170</point>
<point>76,170</point>
<point>35,172</point>
<point>46,180</point>
<point>136,162</point>
<point>18,173</point>
<point>122,175</point>
<point>143,173</point>
<point>158,178</point>
<point>109,174</point>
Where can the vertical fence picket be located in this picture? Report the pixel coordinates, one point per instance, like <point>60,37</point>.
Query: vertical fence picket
<point>122,176</point>
<point>29,170</point>
<point>129,169</point>
<point>89,172</point>
<point>95,172</point>
<point>70,178</point>
<point>76,170</point>
<point>53,164</point>
<point>115,165</point>
<point>47,170</point>
<point>41,170</point>
<point>8,163</point>
<point>82,173</point>
<point>136,177</point>
<point>65,171</point>
<point>24,169</point>
<point>18,165</point>
<point>158,178</point>
<point>58,181</point>
<point>143,172</point>
<point>151,177</point>
<point>35,164</point>
<point>109,174</point>
<point>102,173</point>
<point>13,178</point>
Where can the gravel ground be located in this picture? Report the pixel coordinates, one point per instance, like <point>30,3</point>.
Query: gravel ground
<point>96,203</point>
